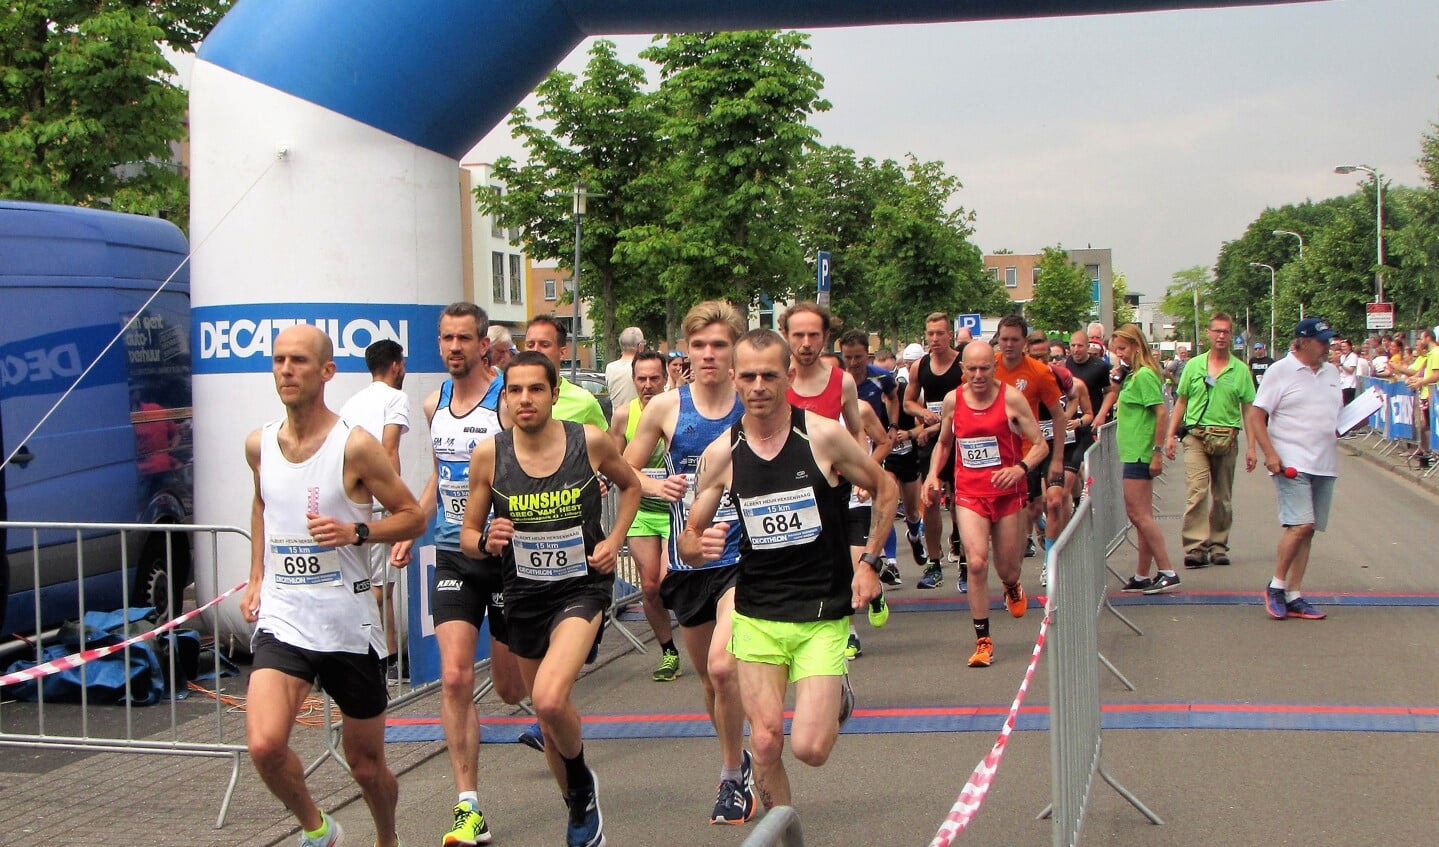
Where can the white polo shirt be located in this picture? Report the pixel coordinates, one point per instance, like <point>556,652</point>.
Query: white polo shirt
<point>1303,407</point>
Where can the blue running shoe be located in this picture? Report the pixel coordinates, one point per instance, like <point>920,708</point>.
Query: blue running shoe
<point>933,575</point>
<point>586,827</point>
<point>1274,603</point>
<point>1303,609</point>
<point>533,738</point>
<point>736,802</point>
<point>962,582</point>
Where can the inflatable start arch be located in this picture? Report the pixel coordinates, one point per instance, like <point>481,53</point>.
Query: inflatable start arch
<point>326,138</point>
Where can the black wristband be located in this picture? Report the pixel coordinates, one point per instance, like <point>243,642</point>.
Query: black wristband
<point>1025,465</point>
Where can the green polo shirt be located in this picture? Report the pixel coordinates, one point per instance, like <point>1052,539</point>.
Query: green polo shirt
<point>578,405</point>
<point>1139,400</point>
<point>1220,404</point>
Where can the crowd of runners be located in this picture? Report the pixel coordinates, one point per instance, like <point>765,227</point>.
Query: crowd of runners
<point>758,478</point>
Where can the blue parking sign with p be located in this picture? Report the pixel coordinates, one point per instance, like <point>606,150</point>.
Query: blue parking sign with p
<point>970,322</point>
<point>822,272</point>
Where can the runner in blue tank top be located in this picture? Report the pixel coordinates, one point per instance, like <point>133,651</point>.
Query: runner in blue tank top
<point>689,419</point>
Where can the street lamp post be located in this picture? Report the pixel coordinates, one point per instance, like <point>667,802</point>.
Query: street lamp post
<point>1271,299</point>
<point>1378,224</point>
<point>1296,235</point>
<point>580,196</point>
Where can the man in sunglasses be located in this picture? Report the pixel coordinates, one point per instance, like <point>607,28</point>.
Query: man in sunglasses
<point>1212,399</point>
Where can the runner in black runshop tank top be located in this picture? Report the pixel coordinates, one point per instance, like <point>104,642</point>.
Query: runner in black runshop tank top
<point>558,571</point>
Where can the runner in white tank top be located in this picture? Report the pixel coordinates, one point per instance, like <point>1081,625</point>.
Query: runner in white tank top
<point>309,588</point>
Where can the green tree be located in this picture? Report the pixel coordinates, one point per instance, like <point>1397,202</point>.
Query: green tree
<point>1061,293</point>
<point>1179,301</point>
<point>1415,244</point>
<point>1123,312</point>
<point>88,105</point>
<point>735,126</point>
<point>600,130</point>
<point>899,243</point>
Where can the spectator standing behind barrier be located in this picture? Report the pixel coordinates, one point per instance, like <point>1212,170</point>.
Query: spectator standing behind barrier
<point>1423,374</point>
<point>1293,421</point>
<point>308,595</point>
<point>1210,405</point>
<point>1348,369</point>
<point>619,377</point>
<point>383,410</point>
<point>1143,420</point>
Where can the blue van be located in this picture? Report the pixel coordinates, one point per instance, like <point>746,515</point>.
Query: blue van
<point>118,448</point>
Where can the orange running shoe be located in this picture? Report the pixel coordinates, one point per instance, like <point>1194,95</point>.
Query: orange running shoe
<point>1015,599</point>
<point>983,653</point>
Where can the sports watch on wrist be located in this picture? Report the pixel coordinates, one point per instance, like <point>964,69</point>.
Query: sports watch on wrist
<point>872,560</point>
<point>362,533</point>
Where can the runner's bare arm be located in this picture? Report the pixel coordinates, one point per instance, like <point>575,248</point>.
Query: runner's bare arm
<point>401,553</point>
<point>250,600</point>
<point>849,393</point>
<point>843,456</point>
<point>654,423</point>
<point>619,422</point>
<point>369,474</point>
<point>605,458</point>
<point>943,451</point>
<point>477,506</point>
<point>701,541</point>
<point>1023,418</point>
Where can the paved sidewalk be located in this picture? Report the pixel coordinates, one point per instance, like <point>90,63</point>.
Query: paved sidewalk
<point>1244,730</point>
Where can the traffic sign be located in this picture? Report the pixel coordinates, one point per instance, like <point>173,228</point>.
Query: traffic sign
<point>822,272</point>
<point>970,322</point>
<point>1378,315</point>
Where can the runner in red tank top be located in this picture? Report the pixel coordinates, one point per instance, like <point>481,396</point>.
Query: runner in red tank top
<point>978,430</point>
<point>818,386</point>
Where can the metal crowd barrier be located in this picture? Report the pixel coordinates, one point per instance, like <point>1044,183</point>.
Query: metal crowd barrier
<point>627,578</point>
<point>33,727</point>
<point>1392,428</point>
<point>1077,595</point>
<point>1104,489</point>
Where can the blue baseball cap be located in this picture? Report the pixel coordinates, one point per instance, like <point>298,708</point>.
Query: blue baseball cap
<point>1316,328</point>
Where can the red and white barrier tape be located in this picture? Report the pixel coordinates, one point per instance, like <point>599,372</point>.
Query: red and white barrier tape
<point>75,660</point>
<point>971,797</point>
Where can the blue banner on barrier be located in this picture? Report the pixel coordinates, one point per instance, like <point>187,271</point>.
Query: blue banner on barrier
<point>1400,404</point>
<point>1377,420</point>
<point>1433,425</point>
<point>424,649</point>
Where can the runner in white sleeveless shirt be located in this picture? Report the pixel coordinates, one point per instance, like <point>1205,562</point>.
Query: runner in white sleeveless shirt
<point>309,588</point>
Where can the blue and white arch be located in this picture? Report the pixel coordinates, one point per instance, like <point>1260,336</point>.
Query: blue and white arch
<point>356,113</point>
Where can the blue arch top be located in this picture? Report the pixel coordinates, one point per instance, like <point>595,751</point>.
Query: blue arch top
<point>442,73</point>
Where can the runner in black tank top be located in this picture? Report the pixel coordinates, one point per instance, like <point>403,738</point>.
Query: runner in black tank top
<point>557,524</point>
<point>794,553</point>
<point>540,478</point>
<point>924,399</point>
<point>796,578</point>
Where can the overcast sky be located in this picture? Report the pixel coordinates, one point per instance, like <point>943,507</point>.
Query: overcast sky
<point>1158,135</point>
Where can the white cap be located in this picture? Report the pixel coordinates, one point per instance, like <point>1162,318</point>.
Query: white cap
<point>912,353</point>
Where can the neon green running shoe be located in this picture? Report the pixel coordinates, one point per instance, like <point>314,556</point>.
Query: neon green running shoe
<point>470,827</point>
<point>669,667</point>
<point>878,611</point>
